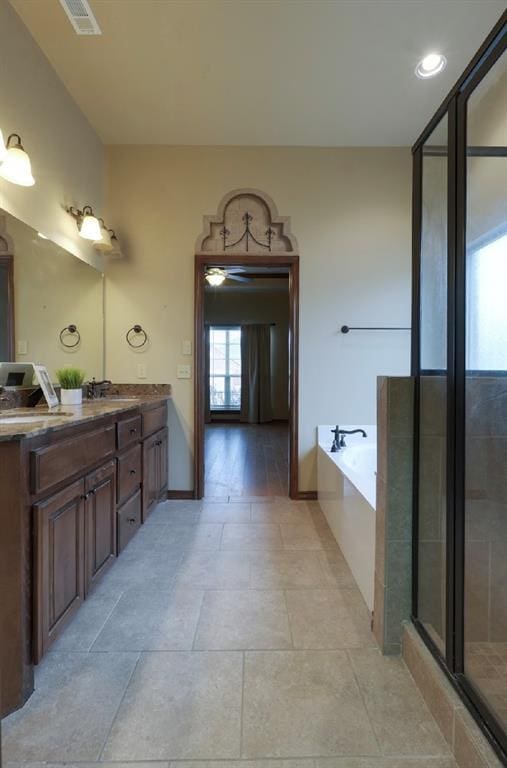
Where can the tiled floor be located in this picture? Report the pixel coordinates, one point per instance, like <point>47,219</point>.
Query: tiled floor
<point>226,632</point>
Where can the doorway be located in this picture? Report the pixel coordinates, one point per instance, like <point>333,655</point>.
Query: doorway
<point>246,237</point>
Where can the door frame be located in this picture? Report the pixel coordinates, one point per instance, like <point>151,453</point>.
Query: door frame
<point>225,260</point>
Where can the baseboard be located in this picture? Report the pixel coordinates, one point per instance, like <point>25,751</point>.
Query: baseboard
<point>306,496</point>
<point>180,495</point>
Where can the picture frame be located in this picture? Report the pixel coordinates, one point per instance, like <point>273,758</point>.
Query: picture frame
<point>46,385</point>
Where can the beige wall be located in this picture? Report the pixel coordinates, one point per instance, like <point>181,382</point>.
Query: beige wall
<point>52,289</point>
<point>66,154</point>
<point>230,306</point>
<point>350,211</point>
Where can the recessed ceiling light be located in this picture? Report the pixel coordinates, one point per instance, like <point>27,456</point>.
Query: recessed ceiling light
<point>431,65</point>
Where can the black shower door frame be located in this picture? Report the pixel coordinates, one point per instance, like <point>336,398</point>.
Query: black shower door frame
<point>455,108</point>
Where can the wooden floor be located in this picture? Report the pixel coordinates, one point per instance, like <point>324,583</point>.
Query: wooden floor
<point>246,460</point>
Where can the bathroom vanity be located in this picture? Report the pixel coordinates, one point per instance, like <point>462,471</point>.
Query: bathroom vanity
<point>76,486</point>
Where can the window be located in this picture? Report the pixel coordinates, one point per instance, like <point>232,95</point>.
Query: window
<point>487,308</point>
<point>225,368</point>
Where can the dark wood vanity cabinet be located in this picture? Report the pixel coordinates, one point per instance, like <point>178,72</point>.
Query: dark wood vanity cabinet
<point>155,470</point>
<point>59,563</point>
<point>72,500</point>
<point>100,522</point>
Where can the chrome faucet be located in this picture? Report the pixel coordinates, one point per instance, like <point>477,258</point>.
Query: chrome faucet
<point>339,437</point>
<point>95,389</point>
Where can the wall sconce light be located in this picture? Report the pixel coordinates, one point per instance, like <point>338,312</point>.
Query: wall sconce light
<point>115,252</point>
<point>3,148</point>
<point>16,166</point>
<point>104,245</point>
<point>87,223</point>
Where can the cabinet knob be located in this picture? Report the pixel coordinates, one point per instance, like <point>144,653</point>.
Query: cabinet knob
<point>133,431</point>
<point>132,472</point>
<point>85,496</point>
<point>131,520</point>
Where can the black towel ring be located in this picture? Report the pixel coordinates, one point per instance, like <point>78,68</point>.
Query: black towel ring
<point>70,329</point>
<point>137,330</point>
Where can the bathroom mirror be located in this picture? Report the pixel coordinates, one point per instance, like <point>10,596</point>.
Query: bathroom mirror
<point>46,293</point>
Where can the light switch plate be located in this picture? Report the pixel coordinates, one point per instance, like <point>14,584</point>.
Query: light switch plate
<point>141,371</point>
<point>186,347</point>
<point>184,372</point>
<point>22,347</point>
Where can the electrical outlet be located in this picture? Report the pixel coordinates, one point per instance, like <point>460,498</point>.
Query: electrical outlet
<point>184,372</point>
<point>186,347</point>
<point>141,371</point>
<point>22,347</point>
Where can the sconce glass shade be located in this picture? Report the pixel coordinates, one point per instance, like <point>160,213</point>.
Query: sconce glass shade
<point>105,245</point>
<point>3,148</point>
<point>16,166</point>
<point>215,277</point>
<point>90,226</point>
<point>115,253</point>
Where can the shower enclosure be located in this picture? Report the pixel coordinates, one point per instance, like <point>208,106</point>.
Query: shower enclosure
<point>459,360</point>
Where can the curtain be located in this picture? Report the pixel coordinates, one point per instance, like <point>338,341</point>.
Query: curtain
<point>207,355</point>
<point>256,374</point>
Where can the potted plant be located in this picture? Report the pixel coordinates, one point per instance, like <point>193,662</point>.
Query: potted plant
<point>71,381</point>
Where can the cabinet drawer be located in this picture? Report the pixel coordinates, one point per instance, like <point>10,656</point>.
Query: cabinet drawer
<point>128,431</point>
<point>129,520</point>
<point>154,420</point>
<point>57,462</point>
<point>129,473</point>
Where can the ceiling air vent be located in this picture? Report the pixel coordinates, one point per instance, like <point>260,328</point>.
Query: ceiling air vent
<point>81,17</point>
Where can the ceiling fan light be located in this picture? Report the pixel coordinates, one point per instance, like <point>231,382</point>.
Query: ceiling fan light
<point>90,226</point>
<point>16,166</point>
<point>215,277</point>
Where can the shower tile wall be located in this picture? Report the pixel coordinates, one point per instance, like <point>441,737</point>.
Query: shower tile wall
<point>432,503</point>
<point>393,534</point>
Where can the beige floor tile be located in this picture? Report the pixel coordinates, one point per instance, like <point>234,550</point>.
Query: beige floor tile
<point>86,625</point>
<point>69,715</point>
<point>241,619</point>
<point>280,513</point>
<point>400,717</point>
<point>152,621</point>
<point>298,536</point>
<point>302,704</point>
<point>225,513</point>
<point>324,618</point>
<point>251,536</point>
<point>214,570</point>
<point>180,705</point>
<point>286,570</point>
<point>336,569</point>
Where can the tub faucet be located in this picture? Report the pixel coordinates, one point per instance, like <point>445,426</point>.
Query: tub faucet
<point>339,437</point>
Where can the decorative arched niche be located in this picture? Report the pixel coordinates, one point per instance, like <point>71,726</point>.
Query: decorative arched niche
<point>246,224</point>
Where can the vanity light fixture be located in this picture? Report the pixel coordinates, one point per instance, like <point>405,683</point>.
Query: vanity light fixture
<point>104,245</point>
<point>87,223</point>
<point>116,252</point>
<point>3,148</point>
<point>430,65</point>
<point>16,166</point>
<point>215,276</point>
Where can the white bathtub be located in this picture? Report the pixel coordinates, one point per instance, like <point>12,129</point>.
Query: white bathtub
<point>346,486</point>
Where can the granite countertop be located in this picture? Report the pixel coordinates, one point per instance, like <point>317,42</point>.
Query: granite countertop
<point>48,421</point>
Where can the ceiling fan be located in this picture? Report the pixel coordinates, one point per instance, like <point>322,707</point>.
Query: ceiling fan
<point>216,275</point>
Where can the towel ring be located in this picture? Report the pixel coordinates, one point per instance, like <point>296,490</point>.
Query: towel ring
<point>136,330</point>
<point>70,329</point>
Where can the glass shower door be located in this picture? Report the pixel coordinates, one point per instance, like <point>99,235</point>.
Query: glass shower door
<point>432,388</point>
<point>485,443</point>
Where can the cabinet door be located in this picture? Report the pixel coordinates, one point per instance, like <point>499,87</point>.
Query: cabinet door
<point>162,458</point>
<point>59,584</point>
<point>100,522</point>
<point>150,474</point>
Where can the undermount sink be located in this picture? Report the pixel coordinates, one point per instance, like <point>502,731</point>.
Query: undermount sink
<point>30,418</point>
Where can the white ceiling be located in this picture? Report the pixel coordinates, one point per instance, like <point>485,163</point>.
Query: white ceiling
<point>260,72</point>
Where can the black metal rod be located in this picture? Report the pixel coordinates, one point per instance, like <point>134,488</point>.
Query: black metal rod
<point>347,328</point>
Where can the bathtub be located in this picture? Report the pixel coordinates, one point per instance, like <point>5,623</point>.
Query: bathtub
<point>346,484</point>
